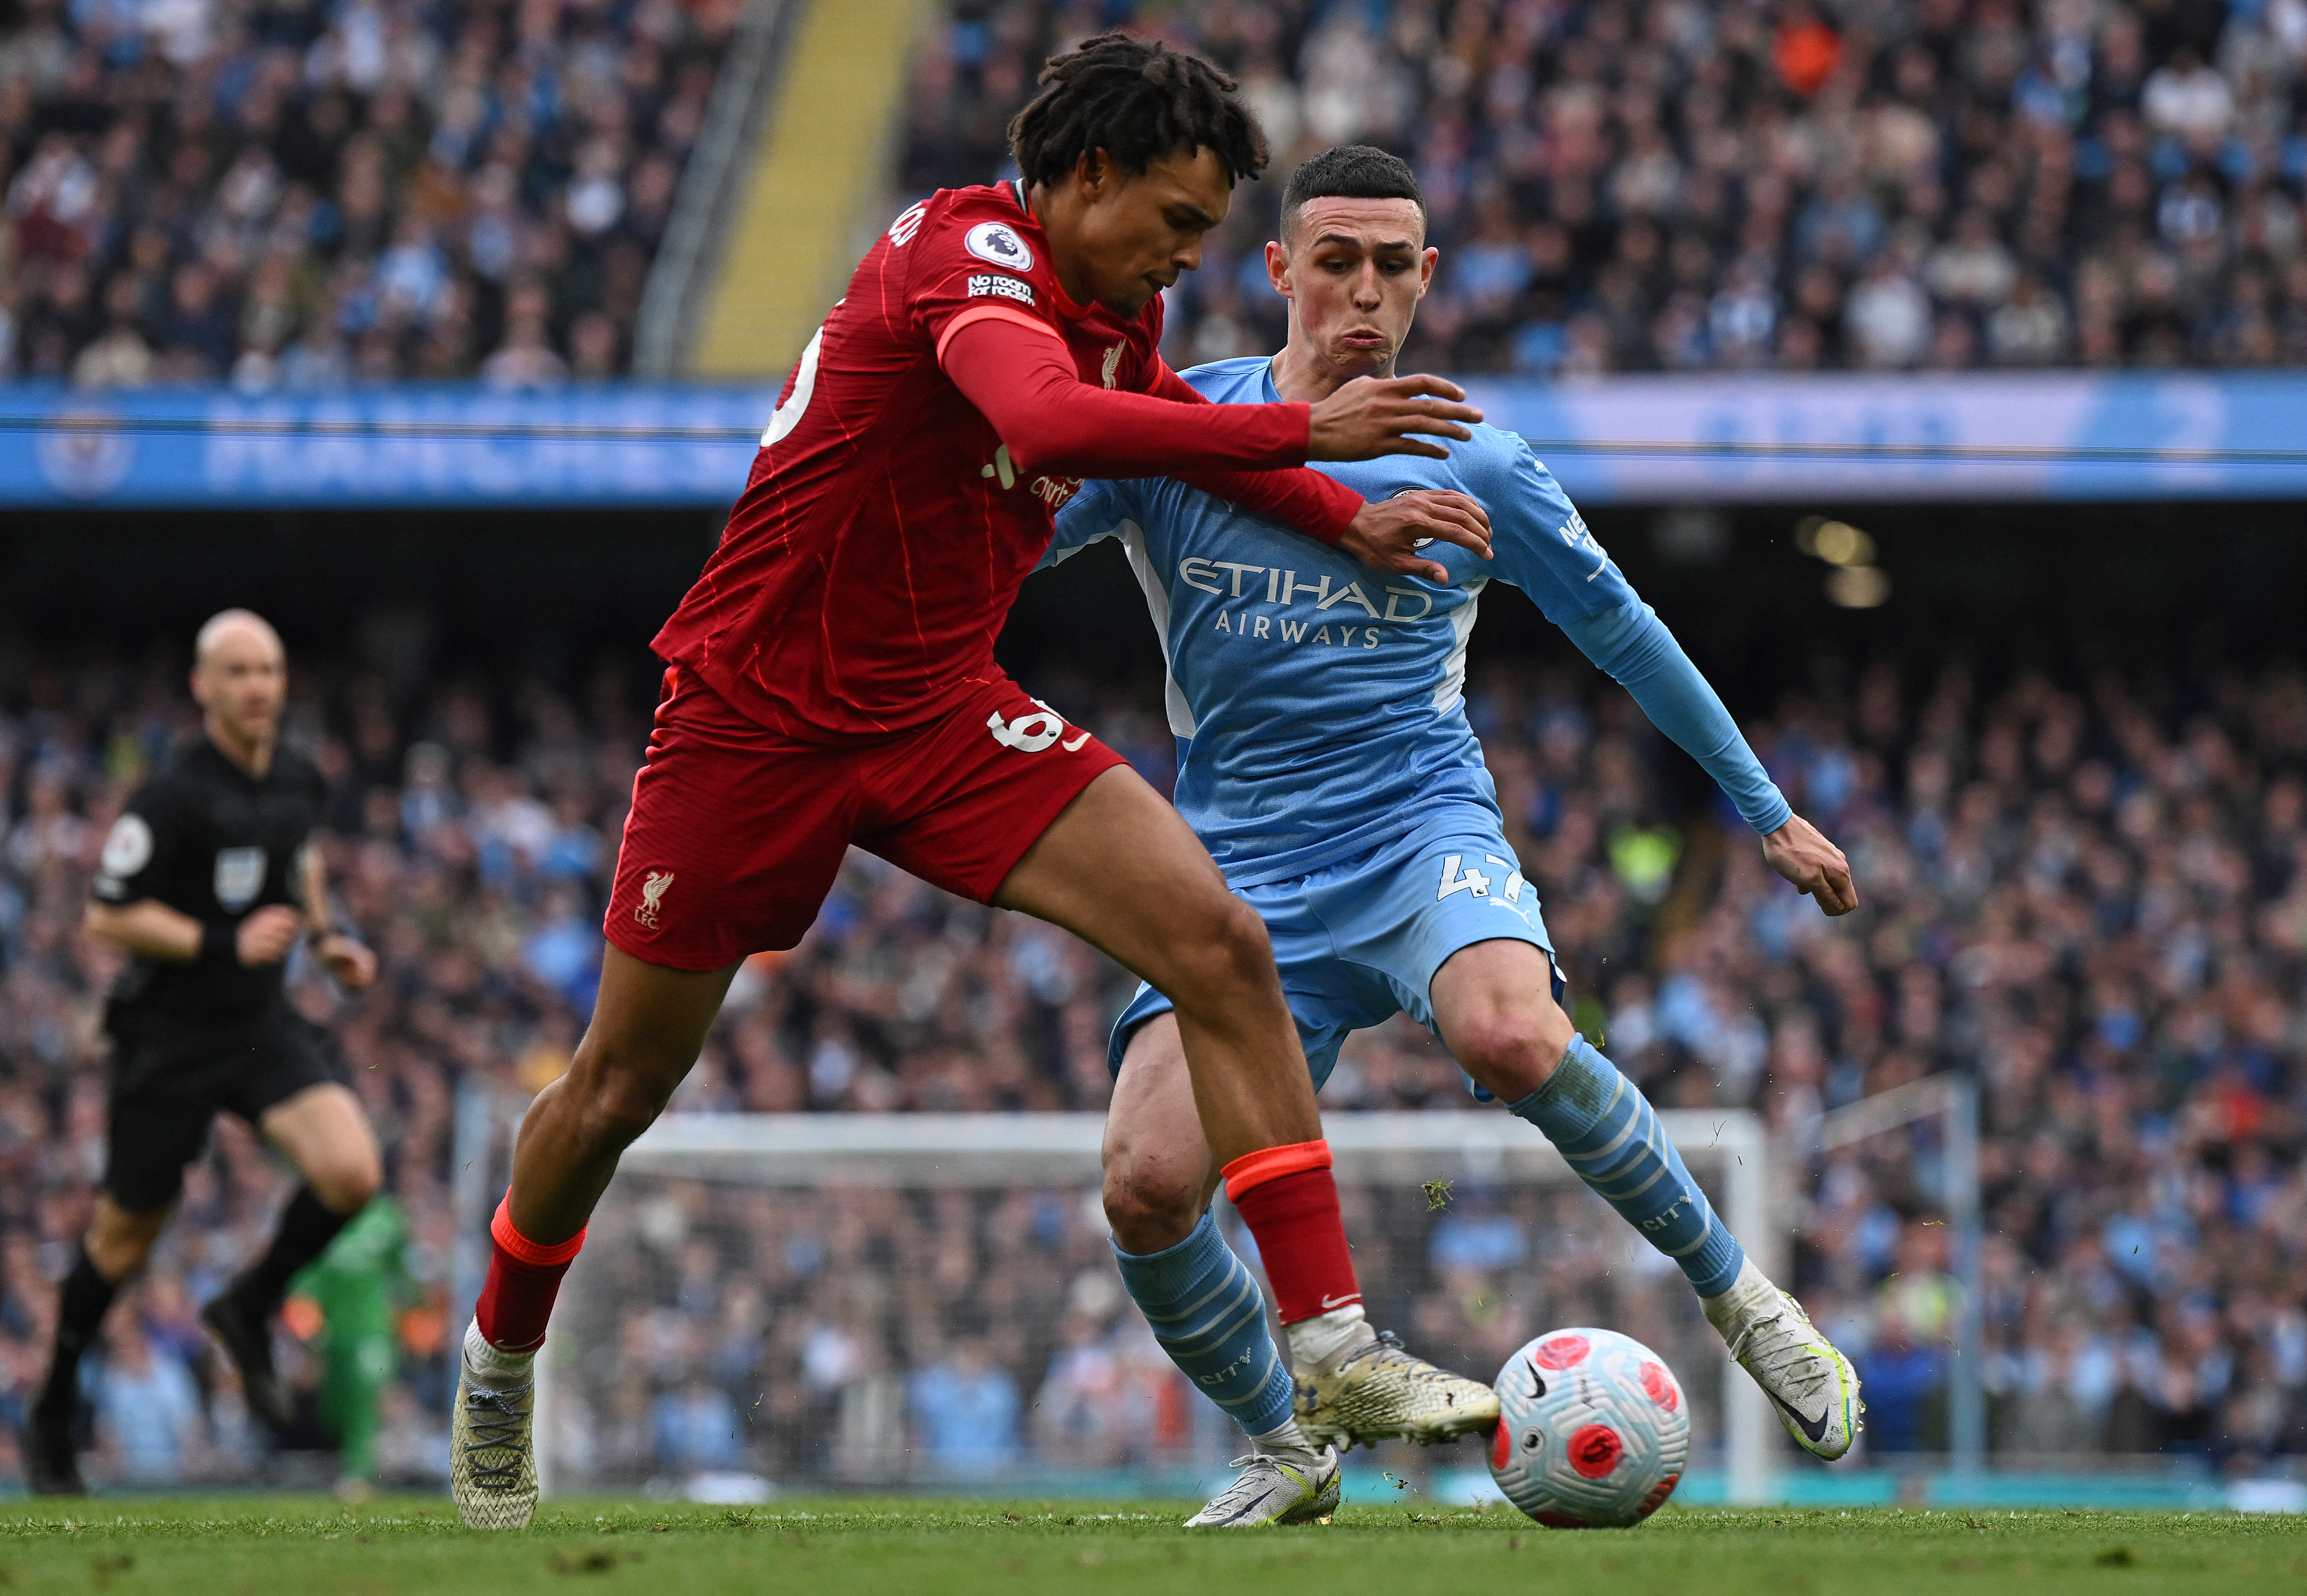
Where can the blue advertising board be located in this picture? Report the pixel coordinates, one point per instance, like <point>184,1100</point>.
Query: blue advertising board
<point>1722,438</point>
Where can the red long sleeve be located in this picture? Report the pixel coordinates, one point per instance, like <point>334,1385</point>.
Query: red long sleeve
<point>1052,421</point>
<point>1321,507</point>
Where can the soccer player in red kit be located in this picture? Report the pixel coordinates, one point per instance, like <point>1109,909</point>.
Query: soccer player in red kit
<point>832,678</point>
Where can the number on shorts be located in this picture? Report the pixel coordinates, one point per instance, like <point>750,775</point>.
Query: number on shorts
<point>1470,881</point>
<point>1032,733</point>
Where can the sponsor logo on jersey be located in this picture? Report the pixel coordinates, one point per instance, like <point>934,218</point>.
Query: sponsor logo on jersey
<point>239,877</point>
<point>1263,585</point>
<point>653,888</point>
<point>1005,287</point>
<point>1576,533</point>
<point>996,241</point>
<point>1056,492</point>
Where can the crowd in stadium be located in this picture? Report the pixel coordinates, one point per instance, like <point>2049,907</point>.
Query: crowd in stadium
<point>303,194</point>
<point>1673,185</point>
<point>2088,891</point>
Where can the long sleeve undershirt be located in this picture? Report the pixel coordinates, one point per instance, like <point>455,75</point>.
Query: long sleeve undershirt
<point>1634,645</point>
<point>1050,421</point>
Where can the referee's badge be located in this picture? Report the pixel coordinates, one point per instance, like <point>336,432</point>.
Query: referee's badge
<point>239,877</point>
<point>127,848</point>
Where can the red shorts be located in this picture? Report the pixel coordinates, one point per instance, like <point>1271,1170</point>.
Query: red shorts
<point>736,832</point>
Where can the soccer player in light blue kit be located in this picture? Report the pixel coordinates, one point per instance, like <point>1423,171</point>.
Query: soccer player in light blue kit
<point>1327,762</point>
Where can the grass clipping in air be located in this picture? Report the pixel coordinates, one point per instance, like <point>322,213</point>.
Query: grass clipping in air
<point>251,1546</point>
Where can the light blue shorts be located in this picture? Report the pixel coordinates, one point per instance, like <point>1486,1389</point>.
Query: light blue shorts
<point>1358,941</point>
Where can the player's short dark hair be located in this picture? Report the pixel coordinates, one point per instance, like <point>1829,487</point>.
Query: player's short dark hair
<point>1350,171</point>
<point>1139,101</point>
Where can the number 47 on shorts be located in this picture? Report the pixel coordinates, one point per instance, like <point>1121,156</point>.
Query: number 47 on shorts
<point>1455,880</point>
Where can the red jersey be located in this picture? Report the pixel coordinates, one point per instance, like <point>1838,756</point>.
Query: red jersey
<point>883,531</point>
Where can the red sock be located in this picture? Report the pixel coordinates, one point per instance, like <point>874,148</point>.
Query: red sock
<point>1288,1199</point>
<point>524,1277</point>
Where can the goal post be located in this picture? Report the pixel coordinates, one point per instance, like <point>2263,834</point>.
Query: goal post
<point>1039,1171</point>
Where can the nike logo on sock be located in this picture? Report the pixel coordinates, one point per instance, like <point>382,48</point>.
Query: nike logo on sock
<point>1329,1302</point>
<point>1815,1428</point>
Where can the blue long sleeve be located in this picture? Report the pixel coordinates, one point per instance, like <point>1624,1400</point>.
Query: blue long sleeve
<point>1632,645</point>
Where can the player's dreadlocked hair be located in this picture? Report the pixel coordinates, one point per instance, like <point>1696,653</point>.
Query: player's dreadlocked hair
<point>1349,172</point>
<point>1137,100</point>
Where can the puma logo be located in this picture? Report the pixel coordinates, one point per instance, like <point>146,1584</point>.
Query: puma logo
<point>652,897</point>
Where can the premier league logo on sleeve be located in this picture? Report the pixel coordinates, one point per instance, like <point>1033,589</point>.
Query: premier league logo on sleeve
<point>997,243</point>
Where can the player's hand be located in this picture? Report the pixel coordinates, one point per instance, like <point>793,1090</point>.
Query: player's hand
<point>1372,416</point>
<point>266,936</point>
<point>1816,865</point>
<point>353,965</point>
<point>1386,536</point>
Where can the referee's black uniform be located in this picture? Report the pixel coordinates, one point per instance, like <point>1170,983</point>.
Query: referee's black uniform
<point>192,1039</point>
<point>210,841</point>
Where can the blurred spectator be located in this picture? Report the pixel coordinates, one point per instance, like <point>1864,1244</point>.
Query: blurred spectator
<point>696,1429</point>
<point>965,1410</point>
<point>148,1410</point>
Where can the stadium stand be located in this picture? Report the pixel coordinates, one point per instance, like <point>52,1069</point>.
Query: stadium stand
<point>302,194</point>
<point>2089,888</point>
<point>1674,185</point>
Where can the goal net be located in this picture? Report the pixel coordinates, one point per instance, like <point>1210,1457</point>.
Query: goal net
<point>771,1303</point>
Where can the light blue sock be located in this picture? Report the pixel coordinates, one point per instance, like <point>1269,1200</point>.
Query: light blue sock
<point>1210,1317</point>
<point>1607,1129</point>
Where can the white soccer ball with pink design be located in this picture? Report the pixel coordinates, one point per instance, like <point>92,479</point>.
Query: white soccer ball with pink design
<point>1593,1430</point>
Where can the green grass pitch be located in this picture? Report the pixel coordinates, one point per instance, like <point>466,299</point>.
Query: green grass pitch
<point>252,1546</point>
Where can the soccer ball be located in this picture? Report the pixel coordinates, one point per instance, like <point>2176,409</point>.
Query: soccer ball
<point>1592,1430</point>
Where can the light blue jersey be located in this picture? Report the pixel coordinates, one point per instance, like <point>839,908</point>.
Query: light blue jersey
<point>1318,705</point>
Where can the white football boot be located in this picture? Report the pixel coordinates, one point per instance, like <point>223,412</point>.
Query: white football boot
<point>491,1443</point>
<point>1355,1386</point>
<point>1812,1385</point>
<point>1290,1487</point>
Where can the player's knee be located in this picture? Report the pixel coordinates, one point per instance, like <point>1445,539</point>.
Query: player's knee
<point>1224,954</point>
<point>1512,1051</point>
<point>1151,1203</point>
<point>616,1108</point>
<point>345,1184</point>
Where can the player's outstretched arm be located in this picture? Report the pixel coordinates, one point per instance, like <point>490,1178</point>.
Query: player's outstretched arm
<point>1549,552</point>
<point>1372,416</point>
<point>1797,852</point>
<point>1634,647</point>
<point>1022,380</point>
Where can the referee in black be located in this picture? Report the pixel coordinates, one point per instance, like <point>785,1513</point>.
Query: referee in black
<point>208,880</point>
